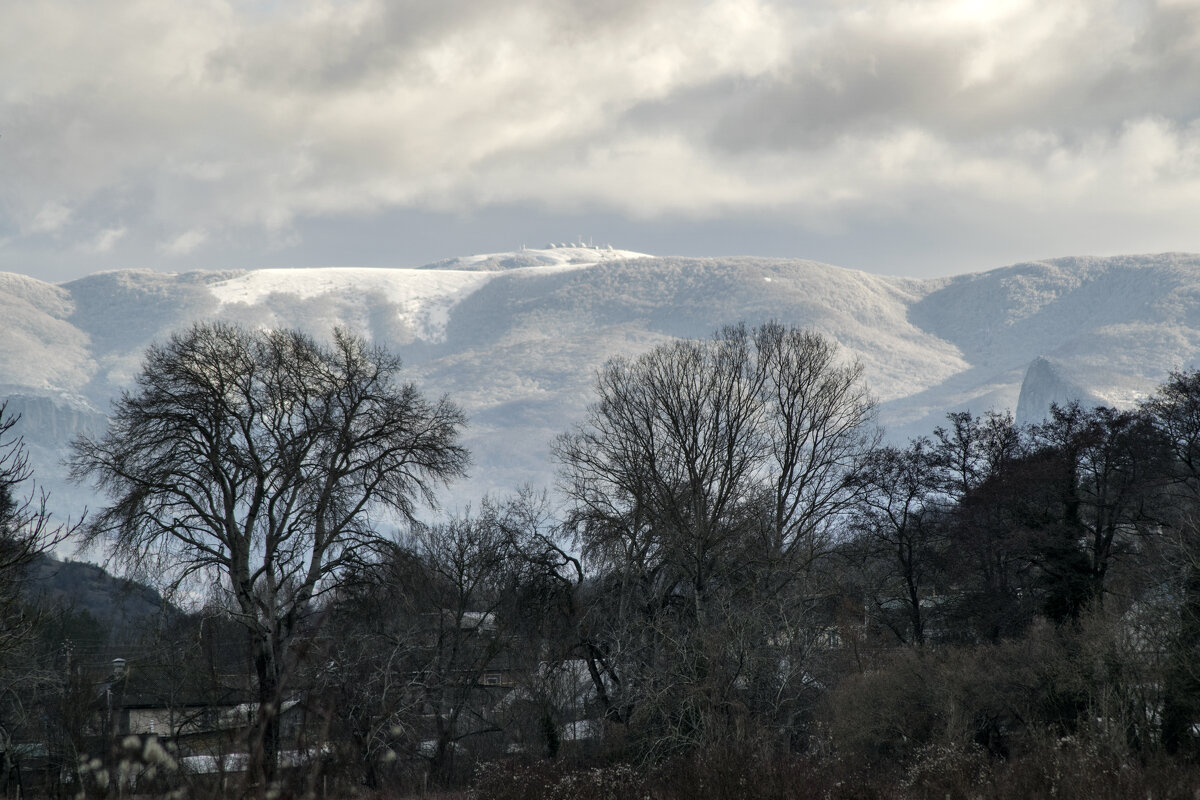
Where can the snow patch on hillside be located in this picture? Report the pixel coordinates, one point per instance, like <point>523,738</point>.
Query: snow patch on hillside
<point>40,348</point>
<point>422,297</point>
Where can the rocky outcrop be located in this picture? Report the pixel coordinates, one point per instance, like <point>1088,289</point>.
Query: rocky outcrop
<point>1047,383</point>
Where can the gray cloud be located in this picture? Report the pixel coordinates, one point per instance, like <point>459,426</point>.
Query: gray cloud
<point>140,131</point>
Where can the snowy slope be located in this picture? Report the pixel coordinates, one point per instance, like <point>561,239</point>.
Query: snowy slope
<point>40,349</point>
<point>515,337</point>
<point>418,300</point>
<point>1113,327</point>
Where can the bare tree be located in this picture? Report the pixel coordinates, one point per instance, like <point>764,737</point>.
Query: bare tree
<point>1175,412</point>
<point>1106,464</point>
<point>257,460</point>
<point>463,562</point>
<point>899,536</point>
<point>26,532</point>
<point>702,482</point>
<point>26,528</point>
<point>971,449</point>
<point>425,643</point>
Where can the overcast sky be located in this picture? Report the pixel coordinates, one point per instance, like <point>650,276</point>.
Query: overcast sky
<point>914,137</point>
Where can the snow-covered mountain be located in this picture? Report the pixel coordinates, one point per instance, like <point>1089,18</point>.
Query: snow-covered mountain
<point>515,337</point>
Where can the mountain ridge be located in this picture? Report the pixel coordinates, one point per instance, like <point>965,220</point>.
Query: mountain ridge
<point>515,337</point>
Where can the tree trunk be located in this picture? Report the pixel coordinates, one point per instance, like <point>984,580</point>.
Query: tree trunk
<point>1181,704</point>
<point>263,768</point>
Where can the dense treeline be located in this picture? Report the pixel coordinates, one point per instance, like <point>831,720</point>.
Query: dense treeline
<point>737,589</point>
